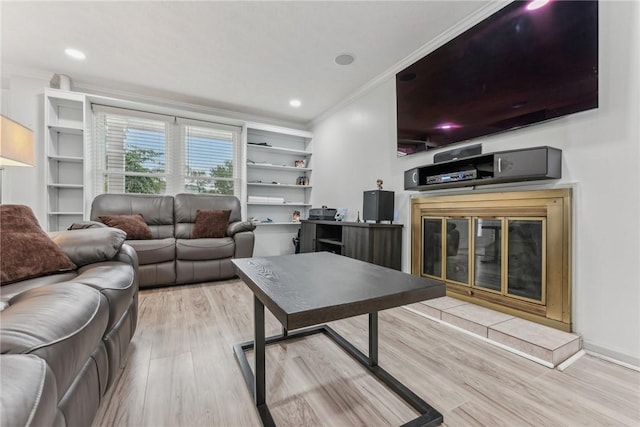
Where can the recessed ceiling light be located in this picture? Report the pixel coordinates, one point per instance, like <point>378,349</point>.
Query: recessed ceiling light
<point>75,53</point>
<point>344,59</point>
<point>295,103</point>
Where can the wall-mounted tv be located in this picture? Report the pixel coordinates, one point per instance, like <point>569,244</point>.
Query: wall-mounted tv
<point>531,61</point>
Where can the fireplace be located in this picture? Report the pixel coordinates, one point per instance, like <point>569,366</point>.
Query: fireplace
<point>508,251</point>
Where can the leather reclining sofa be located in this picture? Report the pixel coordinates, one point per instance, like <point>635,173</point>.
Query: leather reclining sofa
<point>172,256</point>
<point>64,336</point>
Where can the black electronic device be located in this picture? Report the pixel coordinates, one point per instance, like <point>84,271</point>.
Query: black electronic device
<point>457,153</point>
<point>322,214</point>
<point>452,177</point>
<point>378,205</point>
<point>527,63</point>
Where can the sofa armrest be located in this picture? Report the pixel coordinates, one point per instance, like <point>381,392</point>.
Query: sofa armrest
<point>127,255</point>
<point>87,246</point>
<point>81,225</point>
<point>239,226</point>
<point>245,241</point>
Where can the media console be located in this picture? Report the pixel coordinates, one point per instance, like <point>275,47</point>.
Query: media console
<point>375,243</point>
<point>493,168</point>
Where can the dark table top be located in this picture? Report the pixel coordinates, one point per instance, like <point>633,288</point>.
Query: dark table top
<point>308,289</point>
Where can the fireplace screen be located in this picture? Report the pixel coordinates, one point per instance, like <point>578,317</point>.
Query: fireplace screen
<point>525,261</point>
<point>508,253</point>
<point>432,264</point>
<point>457,250</point>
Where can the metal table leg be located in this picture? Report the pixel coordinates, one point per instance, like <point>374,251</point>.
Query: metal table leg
<point>258,320</point>
<point>429,417</point>
<point>259,394</point>
<point>373,339</point>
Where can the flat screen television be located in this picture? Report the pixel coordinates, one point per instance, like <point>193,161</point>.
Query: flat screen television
<point>529,62</point>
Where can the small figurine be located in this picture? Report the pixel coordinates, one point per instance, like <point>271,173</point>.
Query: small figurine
<point>358,219</point>
<point>379,183</point>
<point>296,216</point>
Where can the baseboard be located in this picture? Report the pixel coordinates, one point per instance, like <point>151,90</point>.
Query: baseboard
<point>612,356</point>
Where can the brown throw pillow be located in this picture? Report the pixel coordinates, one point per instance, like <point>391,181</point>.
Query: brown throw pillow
<point>210,224</point>
<point>26,251</point>
<point>133,225</point>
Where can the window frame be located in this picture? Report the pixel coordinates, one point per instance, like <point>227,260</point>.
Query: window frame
<point>176,131</point>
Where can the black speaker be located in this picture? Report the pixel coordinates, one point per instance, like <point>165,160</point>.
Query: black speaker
<point>458,153</point>
<point>411,179</point>
<point>377,205</point>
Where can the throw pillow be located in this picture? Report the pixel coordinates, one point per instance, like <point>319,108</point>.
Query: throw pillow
<point>26,251</point>
<point>133,225</point>
<point>210,224</point>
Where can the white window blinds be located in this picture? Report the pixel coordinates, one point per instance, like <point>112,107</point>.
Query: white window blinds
<point>156,154</point>
<point>209,158</point>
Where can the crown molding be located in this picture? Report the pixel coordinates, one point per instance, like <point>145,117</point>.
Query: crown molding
<point>175,104</point>
<point>10,71</point>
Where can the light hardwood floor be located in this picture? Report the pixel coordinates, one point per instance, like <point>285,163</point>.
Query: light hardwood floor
<point>181,372</point>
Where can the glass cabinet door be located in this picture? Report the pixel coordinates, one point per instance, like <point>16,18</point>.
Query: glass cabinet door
<point>487,254</point>
<point>432,247</point>
<point>457,250</point>
<point>525,259</point>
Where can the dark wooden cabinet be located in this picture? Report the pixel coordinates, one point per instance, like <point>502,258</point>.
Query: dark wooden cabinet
<point>375,243</point>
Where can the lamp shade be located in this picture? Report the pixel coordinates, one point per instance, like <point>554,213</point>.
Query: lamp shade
<point>16,144</point>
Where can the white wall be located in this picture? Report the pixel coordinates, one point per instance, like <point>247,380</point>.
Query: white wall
<point>356,145</point>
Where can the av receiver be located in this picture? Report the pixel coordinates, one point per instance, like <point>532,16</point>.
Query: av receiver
<point>452,177</point>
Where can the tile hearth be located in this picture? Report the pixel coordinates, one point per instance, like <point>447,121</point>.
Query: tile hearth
<point>549,345</point>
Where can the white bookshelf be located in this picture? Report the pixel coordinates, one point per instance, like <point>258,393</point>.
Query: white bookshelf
<point>65,157</point>
<point>272,153</point>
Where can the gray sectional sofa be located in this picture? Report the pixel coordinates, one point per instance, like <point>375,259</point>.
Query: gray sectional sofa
<point>172,256</point>
<point>65,336</point>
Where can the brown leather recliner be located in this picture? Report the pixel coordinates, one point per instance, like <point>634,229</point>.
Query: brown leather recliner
<point>172,256</point>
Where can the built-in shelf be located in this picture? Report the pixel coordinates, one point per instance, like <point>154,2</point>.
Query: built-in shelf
<point>266,184</point>
<point>279,150</point>
<point>71,130</point>
<point>276,167</point>
<point>277,223</point>
<point>279,204</point>
<point>69,159</point>
<point>274,156</point>
<point>64,157</point>
<point>66,213</point>
<point>73,186</point>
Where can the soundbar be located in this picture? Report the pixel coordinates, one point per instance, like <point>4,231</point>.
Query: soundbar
<point>452,177</point>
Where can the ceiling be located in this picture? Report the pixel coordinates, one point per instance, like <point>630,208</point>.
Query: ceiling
<point>243,56</point>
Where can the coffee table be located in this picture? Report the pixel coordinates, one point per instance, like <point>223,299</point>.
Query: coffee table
<point>310,289</point>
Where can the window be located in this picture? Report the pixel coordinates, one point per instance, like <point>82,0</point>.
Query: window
<point>209,160</point>
<point>156,154</point>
